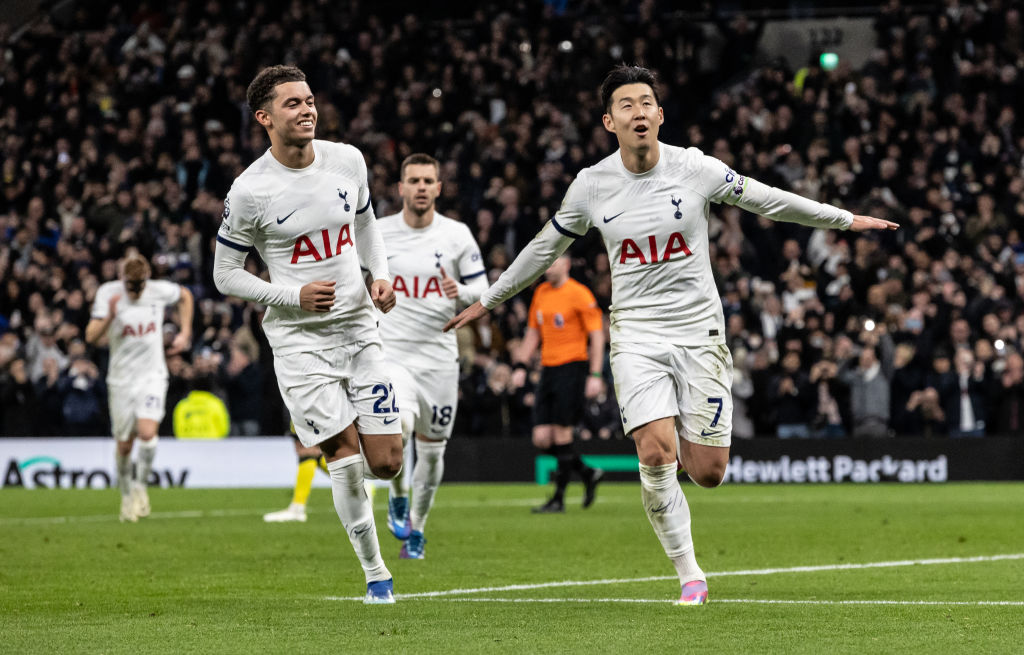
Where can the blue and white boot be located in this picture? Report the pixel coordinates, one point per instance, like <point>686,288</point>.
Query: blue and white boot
<point>398,517</point>
<point>380,592</point>
<point>413,547</point>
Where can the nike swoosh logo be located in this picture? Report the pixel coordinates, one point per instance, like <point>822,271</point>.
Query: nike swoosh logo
<point>609,220</point>
<point>282,220</point>
<point>705,433</point>
<point>389,422</point>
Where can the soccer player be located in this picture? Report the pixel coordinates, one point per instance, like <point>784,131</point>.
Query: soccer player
<point>671,366</point>
<point>564,316</point>
<point>305,207</point>
<point>436,264</point>
<point>129,312</point>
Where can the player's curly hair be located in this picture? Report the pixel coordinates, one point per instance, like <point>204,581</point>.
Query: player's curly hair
<point>624,74</point>
<point>261,89</point>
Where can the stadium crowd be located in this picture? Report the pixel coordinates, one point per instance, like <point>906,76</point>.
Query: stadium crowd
<point>122,127</point>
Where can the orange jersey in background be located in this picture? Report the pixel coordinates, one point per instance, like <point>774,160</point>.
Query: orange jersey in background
<point>564,316</point>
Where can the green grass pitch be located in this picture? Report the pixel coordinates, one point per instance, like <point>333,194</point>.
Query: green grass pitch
<point>204,574</point>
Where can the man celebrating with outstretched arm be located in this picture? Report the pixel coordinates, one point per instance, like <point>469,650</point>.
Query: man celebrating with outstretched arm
<point>672,369</point>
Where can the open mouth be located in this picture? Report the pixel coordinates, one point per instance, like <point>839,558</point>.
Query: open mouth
<point>641,129</point>
<point>306,123</point>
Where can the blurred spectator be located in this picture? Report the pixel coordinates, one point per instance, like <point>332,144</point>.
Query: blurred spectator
<point>41,347</point>
<point>49,400</point>
<point>84,395</point>
<point>828,421</point>
<point>926,417</point>
<point>601,416</point>
<point>1008,391</point>
<point>793,398</point>
<point>869,387</point>
<point>963,396</point>
<point>742,390</point>
<point>18,401</point>
<point>244,382</point>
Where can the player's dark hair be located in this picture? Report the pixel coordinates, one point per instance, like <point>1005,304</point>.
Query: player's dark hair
<point>261,89</point>
<point>622,75</point>
<point>420,159</point>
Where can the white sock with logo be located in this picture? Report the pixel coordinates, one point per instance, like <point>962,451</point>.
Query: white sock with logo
<point>124,472</point>
<point>147,452</point>
<point>426,478</point>
<point>356,514</point>
<point>669,514</point>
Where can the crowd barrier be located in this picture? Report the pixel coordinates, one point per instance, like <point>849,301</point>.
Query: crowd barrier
<point>270,461</point>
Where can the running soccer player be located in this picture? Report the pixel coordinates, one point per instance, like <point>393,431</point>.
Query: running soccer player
<point>566,323</point>
<point>305,207</point>
<point>671,366</point>
<point>129,312</point>
<point>436,264</point>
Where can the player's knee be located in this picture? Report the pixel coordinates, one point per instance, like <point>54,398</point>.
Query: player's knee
<point>387,470</point>
<point>329,448</point>
<point>709,476</point>
<point>655,453</point>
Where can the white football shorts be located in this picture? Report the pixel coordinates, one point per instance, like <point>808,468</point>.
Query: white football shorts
<point>328,390</point>
<point>693,384</point>
<point>143,398</point>
<point>429,396</point>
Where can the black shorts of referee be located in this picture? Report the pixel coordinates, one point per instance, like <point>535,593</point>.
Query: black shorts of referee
<point>559,396</point>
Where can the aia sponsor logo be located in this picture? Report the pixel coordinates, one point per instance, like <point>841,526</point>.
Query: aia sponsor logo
<point>648,251</point>
<point>137,330</point>
<point>323,245</point>
<point>417,287</point>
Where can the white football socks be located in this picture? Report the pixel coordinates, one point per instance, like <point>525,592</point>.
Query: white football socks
<point>356,514</point>
<point>426,478</point>
<point>669,514</point>
<point>400,483</point>
<point>147,452</point>
<point>124,472</point>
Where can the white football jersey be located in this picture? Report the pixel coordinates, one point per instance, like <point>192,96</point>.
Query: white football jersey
<point>412,330</point>
<point>655,229</point>
<point>136,334</point>
<point>301,223</point>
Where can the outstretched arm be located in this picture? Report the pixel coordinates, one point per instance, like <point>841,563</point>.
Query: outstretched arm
<point>536,257</point>
<point>780,205</point>
<point>865,223</point>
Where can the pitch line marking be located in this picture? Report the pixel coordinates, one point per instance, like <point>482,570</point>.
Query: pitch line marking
<point>760,601</point>
<point>747,572</point>
<point>112,517</point>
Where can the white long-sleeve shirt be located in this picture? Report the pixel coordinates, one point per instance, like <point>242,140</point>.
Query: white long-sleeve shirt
<point>412,330</point>
<point>307,224</point>
<point>655,229</point>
